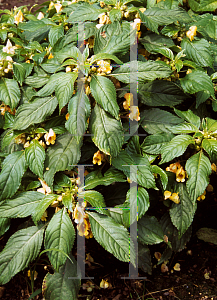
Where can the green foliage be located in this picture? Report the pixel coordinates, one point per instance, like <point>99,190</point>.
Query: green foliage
<point>74,94</point>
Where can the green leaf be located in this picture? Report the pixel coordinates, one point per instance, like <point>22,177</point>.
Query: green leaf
<point>210,146</point>
<point>182,214</point>
<point>175,148</point>
<point>149,230</point>
<point>165,52</point>
<point>4,225</point>
<point>9,92</point>
<point>198,168</point>
<point>161,93</point>
<point>60,286</point>
<point>203,5</point>
<point>42,206</point>
<point>95,199</point>
<point>144,258</point>
<point>156,120</point>
<point>61,156</point>
<point>20,206</point>
<point>101,56</point>
<point>35,157</point>
<point>153,41</point>
<point>103,91</point>
<point>55,34</point>
<point>153,143</point>
<point>34,112</point>
<point>163,175</point>
<point>37,80</point>
<point>108,132</point>
<point>70,51</point>
<point>21,249</point>
<point>149,70</point>
<point>65,88</point>
<point>85,12</point>
<point>189,116</point>
<point>184,128</point>
<point>50,86</point>
<point>115,14</point>
<point>60,234</point>
<point>79,111</point>
<point>9,120</point>
<point>139,203</point>
<point>13,168</point>
<point>96,178</point>
<point>19,72</point>
<point>198,51</point>
<point>211,125</point>
<point>197,81</point>
<point>112,236</point>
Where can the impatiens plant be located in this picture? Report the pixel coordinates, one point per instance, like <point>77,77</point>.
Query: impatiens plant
<point>116,97</point>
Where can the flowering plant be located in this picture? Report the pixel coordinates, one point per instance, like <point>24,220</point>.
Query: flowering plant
<point>125,89</point>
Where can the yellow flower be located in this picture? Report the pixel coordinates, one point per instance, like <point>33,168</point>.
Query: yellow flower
<point>19,17</point>
<point>26,145</point>
<point>177,267</point>
<point>157,255</point>
<point>29,274</point>
<point>104,66</point>
<point>51,5</point>
<point>20,139</point>
<point>142,9</point>
<point>68,69</point>
<point>173,167</point>
<point>9,48</point>
<point>90,42</point>
<point>42,144</point>
<point>175,198</point>
<point>180,175</point>
<point>78,213</point>
<point>136,24</point>
<point>202,197</point>
<point>191,32</point>
<point>40,16</point>
<point>167,194</point>
<point>104,284</point>
<point>98,157</point>
<point>164,268</point>
<point>58,6</point>
<point>67,116</point>
<point>45,188</point>
<point>103,19</point>
<point>50,56</point>
<point>129,99</point>
<point>213,167</point>
<point>44,216</point>
<point>134,113</point>
<point>50,137</point>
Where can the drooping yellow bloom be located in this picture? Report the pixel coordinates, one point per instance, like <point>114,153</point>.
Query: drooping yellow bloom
<point>175,198</point>
<point>129,99</point>
<point>67,116</point>
<point>68,69</point>
<point>50,137</point>
<point>167,194</point>
<point>9,48</point>
<point>51,5</point>
<point>19,18</point>
<point>98,157</point>
<point>58,6</point>
<point>104,284</point>
<point>40,16</point>
<point>177,267</point>
<point>50,56</point>
<point>180,175</point>
<point>134,113</point>
<point>44,216</point>
<point>104,66</point>
<point>142,9</point>
<point>173,167</point>
<point>45,188</point>
<point>29,274</point>
<point>103,19</point>
<point>202,197</point>
<point>78,213</point>
<point>213,167</point>
<point>157,255</point>
<point>42,144</point>
<point>191,33</point>
<point>4,108</point>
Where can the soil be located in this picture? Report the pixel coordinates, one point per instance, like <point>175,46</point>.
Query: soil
<point>198,259</point>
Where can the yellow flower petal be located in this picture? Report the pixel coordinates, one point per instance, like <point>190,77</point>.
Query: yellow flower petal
<point>167,194</point>
<point>50,137</point>
<point>180,175</point>
<point>191,33</point>
<point>177,267</point>
<point>19,18</point>
<point>175,198</point>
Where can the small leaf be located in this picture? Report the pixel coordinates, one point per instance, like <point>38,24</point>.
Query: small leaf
<point>210,146</point>
<point>19,72</point>
<point>4,225</point>
<point>9,92</point>
<point>35,157</point>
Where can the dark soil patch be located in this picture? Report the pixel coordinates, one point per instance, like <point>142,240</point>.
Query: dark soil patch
<point>5,4</point>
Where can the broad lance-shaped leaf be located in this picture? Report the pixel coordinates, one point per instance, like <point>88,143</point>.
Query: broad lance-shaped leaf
<point>149,70</point>
<point>55,33</point>
<point>198,51</point>
<point>64,284</point>
<point>85,12</point>
<point>112,236</point>
<point>21,249</point>
<point>107,132</point>
<point>13,168</point>
<point>182,214</point>
<point>35,157</point>
<point>49,87</point>
<point>21,206</point>
<point>175,147</point>
<point>198,168</point>
<point>210,146</point>
<point>79,111</point>
<point>60,235</point>
<point>4,225</point>
<point>197,81</point>
<point>189,116</point>
<point>153,143</point>
<point>149,230</point>
<point>65,88</point>
<point>95,199</point>
<point>61,156</point>
<point>103,91</point>
<point>42,206</point>
<point>34,112</point>
<point>9,92</point>
<point>162,173</point>
<point>19,72</point>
